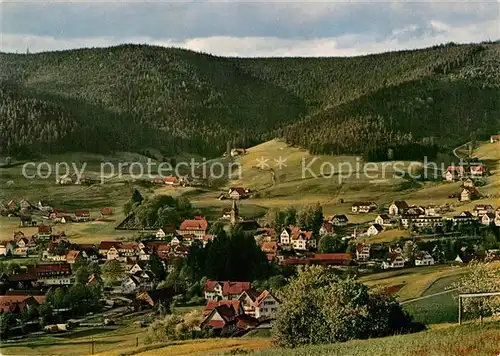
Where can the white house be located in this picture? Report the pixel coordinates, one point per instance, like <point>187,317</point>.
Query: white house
<point>266,306</point>
<point>394,261</point>
<point>424,258</point>
<point>488,219</point>
<point>326,228</point>
<point>374,229</point>
<point>383,220</point>
<point>398,207</point>
<point>363,252</point>
<point>285,236</point>
<point>112,253</point>
<point>363,207</point>
<point>339,220</point>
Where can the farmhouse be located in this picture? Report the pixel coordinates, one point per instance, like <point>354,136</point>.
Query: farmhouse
<point>363,252</point>
<point>197,227</point>
<point>266,306</point>
<point>494,138</point>
<point>326,228</point>
<point>454,173</point>
<point>383,220</point>
<point>488,219</point>
<point>395,260</point>
<point>215,290</point>
<point>424,258</point>
<point>482,209</point>
<point>398,207</point>
<point>339,220</point>
<point>363,207</point>
<point>468,183</point>
<point>238,193</point>
<point>234,303</point>
<point>18,303</point>
<point>52,274</point>
<point>222,319</point>
<point>82,215</point>
<point>302,240</point>
<point>285,236</point>
<point>469,193</point>
<point>374,229</point>
<point>477,170</point>
<point>165,232</point>
<point>44,232</point>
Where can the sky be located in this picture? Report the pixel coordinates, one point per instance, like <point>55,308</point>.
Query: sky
<point>247,28</point>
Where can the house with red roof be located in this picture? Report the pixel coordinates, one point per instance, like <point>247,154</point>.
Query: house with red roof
<point>44,232</point>
<point>197,227</point>
<point>82,215</point>
<point>477,170</point>
<point>455,173</point>
<point>234,303</point>
<point>222,319</point>
<point>262,305</point>
<point>106,211</point>
<point>215,290</point>
<point>171,181</point>
<point>270,249</point>
<point>363,252</point>
<point>17,303</point>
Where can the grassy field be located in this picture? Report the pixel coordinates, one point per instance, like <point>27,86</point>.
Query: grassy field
<point>470,339</point>
<point>414,281</point>
<point>297,186</point>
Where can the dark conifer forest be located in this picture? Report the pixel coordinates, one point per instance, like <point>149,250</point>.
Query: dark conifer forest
<point>137,97</point>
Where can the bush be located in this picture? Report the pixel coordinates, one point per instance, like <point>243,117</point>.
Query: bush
<point>321,307</point>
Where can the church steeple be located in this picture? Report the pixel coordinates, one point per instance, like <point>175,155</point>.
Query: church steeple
<point>234,213</point>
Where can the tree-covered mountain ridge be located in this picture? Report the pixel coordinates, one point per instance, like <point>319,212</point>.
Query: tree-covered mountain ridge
<point>135,97</point>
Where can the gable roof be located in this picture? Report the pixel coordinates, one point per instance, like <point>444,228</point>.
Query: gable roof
<point>384,217</point>
<point>72,254</point>
<point>106,245</point>
<point>82,213</point>
<point>341,217</point>
<point>228,287</point>
<point>239,190</point>
<point>262,297</point>
<point>400,204</point>
<point>44,229</point>
<point>378,227</point>
<point>194,224</point>
<point>212,304</point>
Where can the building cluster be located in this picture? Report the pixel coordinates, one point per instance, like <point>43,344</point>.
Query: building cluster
<point>233,306</point>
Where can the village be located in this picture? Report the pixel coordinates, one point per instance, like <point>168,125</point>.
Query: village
<point>233,307</point>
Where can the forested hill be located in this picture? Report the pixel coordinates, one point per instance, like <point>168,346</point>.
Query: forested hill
<point>135,97</point>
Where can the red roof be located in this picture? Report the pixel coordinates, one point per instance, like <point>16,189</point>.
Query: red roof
<point>170,180</point>
<point>106,245</point>
<point>269,247</point>
<point>51,268</point>
<point>477,169</point>
<point>9,303</point>
<point>228,287</point>
<point>195,224</point>
<point>212,304</point>
<point>82,213</point>
<point>106,211</point>
<point>72,255</point>
<point>44,229</point>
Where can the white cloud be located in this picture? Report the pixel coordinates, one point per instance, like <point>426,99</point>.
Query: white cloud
<point>435,32</point>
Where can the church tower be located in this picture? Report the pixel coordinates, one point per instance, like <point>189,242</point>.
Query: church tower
<point>234,213</point>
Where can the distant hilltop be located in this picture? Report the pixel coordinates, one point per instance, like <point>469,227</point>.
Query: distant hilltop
<point>137,97</point>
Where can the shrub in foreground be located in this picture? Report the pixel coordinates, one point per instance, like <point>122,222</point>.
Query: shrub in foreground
<point>320,307</point>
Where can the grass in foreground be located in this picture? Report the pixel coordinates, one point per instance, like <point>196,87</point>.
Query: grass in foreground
<point>472,339</point>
